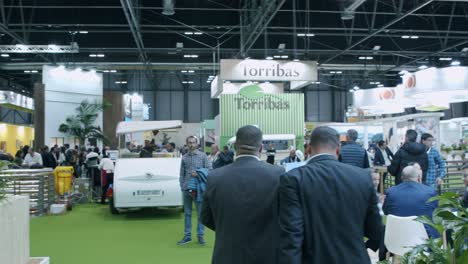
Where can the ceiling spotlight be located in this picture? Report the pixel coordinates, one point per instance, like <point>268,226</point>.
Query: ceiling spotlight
<point>356,88</point>
<point>5,55</point>
<point>422,67</point>
<point>105,71</point>
<point>351,90</point>
<point>188,33</point>
<point>123,82</point>
<point>376,48</point>
<point>332,72</point>
<point>26,71</point>
<point>100,55</point>
<point>464,50</point>
<point>369,58</point>
<point>117,82</point>
<point>301,34</point>
<point>183,71</point>
<point>284,56</point>
<point>269,58</point>
<point>190,56</point>
<point>403,72</point>
<point>281,46</point>
<point>277,56</point>
<point>93,55</point>
<point>380,85</point>
<point>296,60</point>
<point>34,71</point>
<point>198,33</point>
<point>414,37</point>
<point>190,82</point>
<point>113,71</point>
<point>208,81</point>
<point>445,59</point>
<point>372,83</point>
<point>362,58</point>
<point>211,76</point>
<point>310,35</point>
<point>191,71</point>
<point>83,32</point>
<point>405,37</point>
<point>455,63</point>
<point>339,72</point>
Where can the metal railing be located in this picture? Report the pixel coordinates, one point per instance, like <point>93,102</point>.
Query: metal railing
<point>38,184</point>
<point>452,182</point>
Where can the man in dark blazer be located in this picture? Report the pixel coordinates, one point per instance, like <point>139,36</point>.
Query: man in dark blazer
<point>241,205</point>
<point>410,197</point>
<point>327,208</point>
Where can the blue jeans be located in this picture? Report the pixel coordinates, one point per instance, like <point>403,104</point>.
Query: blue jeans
<point>188,216</point>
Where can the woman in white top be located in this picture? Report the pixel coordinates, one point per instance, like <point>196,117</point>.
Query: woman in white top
<point>107,175</point>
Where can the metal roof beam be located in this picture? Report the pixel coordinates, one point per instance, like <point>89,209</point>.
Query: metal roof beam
<point>255,22</point>
<point>396,20</point>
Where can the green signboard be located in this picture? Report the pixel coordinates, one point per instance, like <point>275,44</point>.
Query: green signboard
<point>272,113</point>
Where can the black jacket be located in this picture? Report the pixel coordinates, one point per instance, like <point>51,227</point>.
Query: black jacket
<point>48,160</point>
<point>326,209</point>
<point>379,158</point>
<point>241,205</point>
<point>409,152</point>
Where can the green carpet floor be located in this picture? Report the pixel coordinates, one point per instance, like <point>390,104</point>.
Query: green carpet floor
<point>91,235</point>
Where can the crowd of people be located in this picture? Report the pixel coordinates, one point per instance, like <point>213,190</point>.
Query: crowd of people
<point>316,213</point>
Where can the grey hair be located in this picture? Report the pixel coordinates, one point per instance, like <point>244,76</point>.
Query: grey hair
<point>352,134</point>
<point>248,139</point>
<point>410,173</point>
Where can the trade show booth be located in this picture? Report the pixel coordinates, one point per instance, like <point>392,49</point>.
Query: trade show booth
<point>251,92</point>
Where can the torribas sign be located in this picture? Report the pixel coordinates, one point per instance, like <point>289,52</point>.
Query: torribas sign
<point>268,70</point>
<point>253,98</point>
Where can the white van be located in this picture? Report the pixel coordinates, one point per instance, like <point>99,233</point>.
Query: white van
<point>146,182</point>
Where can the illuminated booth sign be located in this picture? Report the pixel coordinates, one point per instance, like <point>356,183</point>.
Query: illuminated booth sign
<point>434,89</point>
<point>268,70</point>
<point>16,100</point>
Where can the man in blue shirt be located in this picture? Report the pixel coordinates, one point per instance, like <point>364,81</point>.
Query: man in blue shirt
<point>436,165</point>
<point>192,161</point>
<point>409,198</point>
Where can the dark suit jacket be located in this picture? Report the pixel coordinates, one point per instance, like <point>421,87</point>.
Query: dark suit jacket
<point>409,199</point>
<point>379,158</point>
<point>241,205</point>
<point>326,210</point>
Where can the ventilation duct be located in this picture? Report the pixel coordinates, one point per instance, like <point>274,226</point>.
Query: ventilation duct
<point>168,6</point>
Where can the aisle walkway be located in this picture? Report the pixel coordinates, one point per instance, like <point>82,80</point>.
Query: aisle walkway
<point>91,235</point>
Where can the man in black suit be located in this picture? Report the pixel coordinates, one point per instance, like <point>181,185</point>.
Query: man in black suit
<point>241,204</point>
<point>327,208</point>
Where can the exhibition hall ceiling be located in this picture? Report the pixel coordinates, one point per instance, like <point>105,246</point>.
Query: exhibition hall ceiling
<point>354,41</point>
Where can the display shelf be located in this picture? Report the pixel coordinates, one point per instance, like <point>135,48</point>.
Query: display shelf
<point>452,182</point>
<point>37,184</point>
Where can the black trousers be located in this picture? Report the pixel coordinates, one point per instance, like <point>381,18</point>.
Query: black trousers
<point>109,180</point>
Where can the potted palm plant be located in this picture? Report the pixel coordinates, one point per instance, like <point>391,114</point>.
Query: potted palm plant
<point>81,125</point>
<point>450,219</point>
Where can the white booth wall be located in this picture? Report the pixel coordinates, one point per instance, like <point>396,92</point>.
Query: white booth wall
<point>64,90</point>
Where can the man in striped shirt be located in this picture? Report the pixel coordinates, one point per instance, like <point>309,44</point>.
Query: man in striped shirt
<point>436,165</point>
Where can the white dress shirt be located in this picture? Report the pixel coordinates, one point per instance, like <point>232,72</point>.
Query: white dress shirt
<point>31,160</point>
<point>107,165</point>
